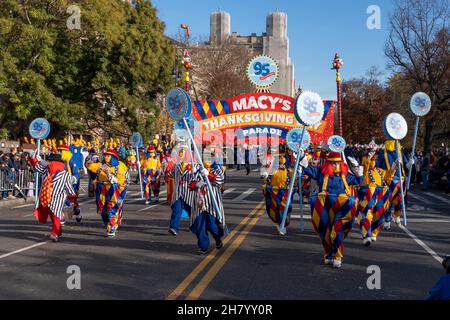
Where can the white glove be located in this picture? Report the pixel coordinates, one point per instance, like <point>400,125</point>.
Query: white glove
<point>73,180</point>
<point>353,161</point>
<point>360,171</point>
<point>113,180</point>
<point>299,171</point>
<point>394,166</point>
<point>304,162</point>
<point>264,175</point>
<point>410,163</point>
<point>205,172</point>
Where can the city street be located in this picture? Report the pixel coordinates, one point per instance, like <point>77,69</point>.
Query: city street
<point>144,261</point>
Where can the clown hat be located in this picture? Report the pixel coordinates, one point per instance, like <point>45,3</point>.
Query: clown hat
<point>111,152</point>
<point>151,149</point>
<point>63,147</point>
<point>334,156</point>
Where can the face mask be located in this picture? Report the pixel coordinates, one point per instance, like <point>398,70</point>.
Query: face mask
<point>336,169</point>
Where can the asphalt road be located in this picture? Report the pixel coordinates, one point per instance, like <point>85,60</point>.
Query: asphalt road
<point>145,262</point>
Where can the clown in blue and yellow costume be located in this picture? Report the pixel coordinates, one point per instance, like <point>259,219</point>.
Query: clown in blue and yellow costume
<point>375,195</point>
<point>151,175</point>
<point>73,170</point>
<point>111,188</point>
<point>333,208</point>
<point>386,159</point>
<point>276,191</point>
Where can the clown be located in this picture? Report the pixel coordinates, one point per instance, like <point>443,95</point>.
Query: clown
<point>204,217</point>
<point>111,188</point>
<point>151,174</point>
<point>386,159</point>
<point>183,198</point>
<point>374,197</point>
<point>167,166</point>
<point>73,170</point>
<point>333,208</point>
<point>57,186</point>
<point>275,191</point>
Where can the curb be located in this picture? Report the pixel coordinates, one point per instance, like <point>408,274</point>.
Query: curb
<point>16,202</point>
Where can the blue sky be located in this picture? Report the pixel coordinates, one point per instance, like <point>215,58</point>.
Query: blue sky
<point>316,30</point>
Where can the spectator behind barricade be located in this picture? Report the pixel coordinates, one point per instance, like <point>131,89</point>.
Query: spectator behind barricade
<point>441,290</point>
<point>425,169</point>
<point>8,168</point>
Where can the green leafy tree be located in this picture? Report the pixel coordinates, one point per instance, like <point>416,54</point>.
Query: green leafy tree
<point>105,75</point>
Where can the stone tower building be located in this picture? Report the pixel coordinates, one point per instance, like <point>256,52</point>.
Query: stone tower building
<point>274,42</point>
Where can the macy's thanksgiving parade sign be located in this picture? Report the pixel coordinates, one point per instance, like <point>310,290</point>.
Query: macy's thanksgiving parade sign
<point>255,114</point>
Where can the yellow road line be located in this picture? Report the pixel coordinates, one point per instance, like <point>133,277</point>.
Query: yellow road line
<point>209,276</point>
<point>191,277</point>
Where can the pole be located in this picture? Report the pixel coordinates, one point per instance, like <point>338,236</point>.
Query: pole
<point>399,155</point>
<point>291,187</point>
<point>208,183</point>
<point>412,152</point>
<point>139,172</point>
<point>37,172</point>
<point>300,188</point>
<point>339,100</point>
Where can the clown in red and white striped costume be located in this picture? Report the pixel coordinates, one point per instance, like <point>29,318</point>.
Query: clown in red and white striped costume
<point>57,186</point>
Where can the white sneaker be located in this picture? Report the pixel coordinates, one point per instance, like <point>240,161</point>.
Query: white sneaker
<point>147,202</point>
<point>328,262</point>
<point>367,241</point>
<point>337,263</point>
<point>397,221</point>
<point>386,225</point>
<point>373,239</point>
<point>281,233</point>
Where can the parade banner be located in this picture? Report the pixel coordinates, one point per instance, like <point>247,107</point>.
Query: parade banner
<point>260,113</point>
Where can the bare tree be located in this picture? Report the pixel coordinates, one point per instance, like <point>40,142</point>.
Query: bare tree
<point>220,71</point>
<point>418,48</point>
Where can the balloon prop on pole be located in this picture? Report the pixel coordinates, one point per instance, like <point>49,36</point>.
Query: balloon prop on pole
<point>336,144</point>
<point>396,128</point>
<point>136,142</point>
<point>179,107</point>
<point>263,71</point>
<point>297,144</point>
<point>420,105</point>
<point>308,110</point>
<point>39,130</point>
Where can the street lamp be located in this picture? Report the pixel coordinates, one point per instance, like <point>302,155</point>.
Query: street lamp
<point>337,63</point>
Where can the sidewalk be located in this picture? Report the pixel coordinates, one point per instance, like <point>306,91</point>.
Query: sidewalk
<point>16,202</point>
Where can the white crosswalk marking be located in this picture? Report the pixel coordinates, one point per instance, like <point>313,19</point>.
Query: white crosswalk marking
<point>437,197</point>
<point>245,194</point>
<point>422,199</point>
<point>228,190</point>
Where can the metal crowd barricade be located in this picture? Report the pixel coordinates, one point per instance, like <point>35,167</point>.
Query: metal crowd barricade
<point>21,181</point>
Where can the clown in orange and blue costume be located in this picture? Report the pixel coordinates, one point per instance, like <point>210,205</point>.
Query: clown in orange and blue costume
<point>386,159</point>
<point>333,208</point>
<point>73,170</point>
<point>151,172</point>
<point>111,188</point>
<point>374,197</point>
